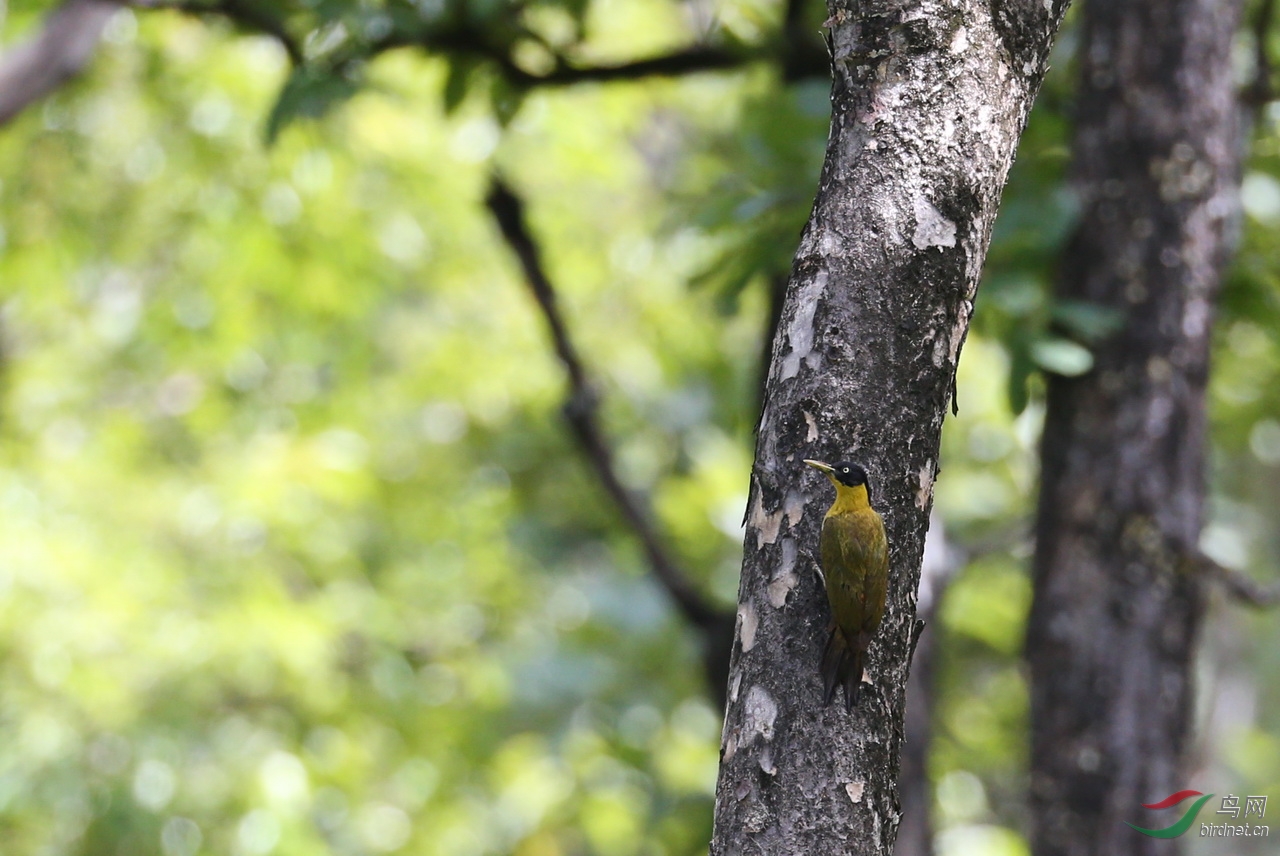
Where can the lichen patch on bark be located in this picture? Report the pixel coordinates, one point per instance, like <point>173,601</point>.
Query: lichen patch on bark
<point>761,712</point>
<point>933,229</point>
<point>800,331</point>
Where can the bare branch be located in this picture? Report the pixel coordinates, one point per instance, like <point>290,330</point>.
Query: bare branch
<point>60,52</point>
<point>691,61</point>
<point>1240,587</point>
<point>581,410</point>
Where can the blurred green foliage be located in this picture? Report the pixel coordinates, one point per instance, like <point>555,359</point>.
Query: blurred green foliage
<point>296,555</point>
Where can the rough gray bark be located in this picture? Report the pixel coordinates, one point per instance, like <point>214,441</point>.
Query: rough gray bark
<point>63,48</point>
<point>1118,605</point>
<point>928,100</point>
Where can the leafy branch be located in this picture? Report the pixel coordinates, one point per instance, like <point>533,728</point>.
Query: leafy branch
<point>322,80</point>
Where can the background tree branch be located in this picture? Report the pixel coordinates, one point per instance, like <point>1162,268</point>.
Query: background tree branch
<point>581,411</point>
<point>1240,587</point>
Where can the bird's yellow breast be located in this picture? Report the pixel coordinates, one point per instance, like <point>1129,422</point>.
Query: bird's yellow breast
<point>849,500</point>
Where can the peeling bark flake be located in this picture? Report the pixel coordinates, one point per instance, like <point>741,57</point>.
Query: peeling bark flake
<point>925,493</point>
<point>765,524</point>
<point>790,552</point>
<point>748,621</point>
<point>766,762</point>
<point>780,588</point>
<point>794,508</point>
<point>812,435</point>
<point>786,579</point>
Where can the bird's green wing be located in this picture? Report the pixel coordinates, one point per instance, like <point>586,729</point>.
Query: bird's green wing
<point>877,588</point>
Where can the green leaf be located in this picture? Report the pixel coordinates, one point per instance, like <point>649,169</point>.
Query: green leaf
<point>458,83</point>
<point>1089,321</point>
<point>506,101</point>
<point>1062,357</point>
<point>310,92</point>
<point>1021,368</point>
<point>1020,295</point>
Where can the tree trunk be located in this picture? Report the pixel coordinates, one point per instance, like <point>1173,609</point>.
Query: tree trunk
<point>928,101</point>
<point>1117,609</point>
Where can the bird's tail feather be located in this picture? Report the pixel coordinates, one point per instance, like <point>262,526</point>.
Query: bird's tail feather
<point>841,666</point>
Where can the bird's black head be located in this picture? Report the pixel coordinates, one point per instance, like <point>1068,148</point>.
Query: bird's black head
<point>849,474</point>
